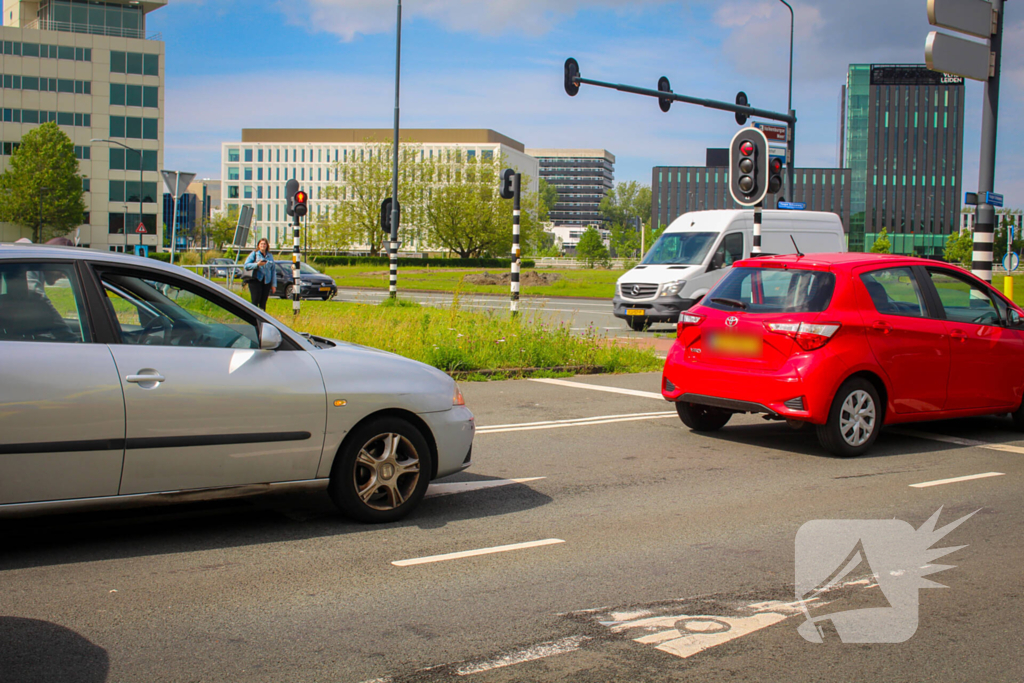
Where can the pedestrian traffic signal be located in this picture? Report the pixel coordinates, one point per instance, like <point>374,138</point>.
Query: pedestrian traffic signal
<point>385,215</point>
<point>508,184</point>
<point>774,175</point>
<point>748,167</point>
<point>300,209</point>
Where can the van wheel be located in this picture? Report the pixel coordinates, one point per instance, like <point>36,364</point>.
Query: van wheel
<point>854,420</point>
<point>637,324</point>
<point>702,418</point>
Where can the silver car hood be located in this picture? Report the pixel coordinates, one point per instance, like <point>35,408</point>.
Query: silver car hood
<point>350,370</point>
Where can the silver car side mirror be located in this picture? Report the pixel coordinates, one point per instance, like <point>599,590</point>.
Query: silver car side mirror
<point>270,337</point>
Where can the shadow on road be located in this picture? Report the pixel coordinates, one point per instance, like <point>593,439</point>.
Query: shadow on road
<point>34,651</point>
<point>190,527</point>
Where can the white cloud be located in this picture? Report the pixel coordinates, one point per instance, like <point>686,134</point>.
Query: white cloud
<point>349,18</point>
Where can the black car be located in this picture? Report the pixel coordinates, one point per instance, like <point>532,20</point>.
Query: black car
<point>313,285</point>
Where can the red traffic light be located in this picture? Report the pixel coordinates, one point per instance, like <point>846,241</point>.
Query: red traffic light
<point>746,148</point>
<point>775,165</point>
<point>300,197</point>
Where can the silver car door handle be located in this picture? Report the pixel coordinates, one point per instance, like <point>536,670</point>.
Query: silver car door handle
<point>143,379</point>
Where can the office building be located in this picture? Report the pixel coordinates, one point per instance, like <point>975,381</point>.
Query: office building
<point>676,190</point>
<point>902,139</point>
<point>255,170</point>
<point>583,177</point>
<point>89,67</point>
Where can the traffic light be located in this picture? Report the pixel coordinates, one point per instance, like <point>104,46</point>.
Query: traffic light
<point>748,167</point>
<point>664,86</point>
<point>741,100</point>
<point>774,175</point>
<point>508,184</point>
<point>289,194</point>
<point>300,209</point>
<point>385,215</point>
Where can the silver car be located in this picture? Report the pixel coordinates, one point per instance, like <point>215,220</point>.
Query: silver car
<point>124,379</point>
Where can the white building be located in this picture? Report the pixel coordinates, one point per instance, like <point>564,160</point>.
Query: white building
<point>569,236</point>
<point>255,170</point>
<point>89,67</point>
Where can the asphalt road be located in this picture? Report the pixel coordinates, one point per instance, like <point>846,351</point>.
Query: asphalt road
<point>627,516</point>
<point>581,315</point>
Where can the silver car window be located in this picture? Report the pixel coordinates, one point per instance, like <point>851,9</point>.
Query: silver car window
<point>41,302</point>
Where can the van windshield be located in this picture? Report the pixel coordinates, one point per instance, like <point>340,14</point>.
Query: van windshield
<point>680,249</point>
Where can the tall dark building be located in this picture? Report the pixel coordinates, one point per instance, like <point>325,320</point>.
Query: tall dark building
<point>678,189</point>
<point>582,177</point>
<point>903,143</point>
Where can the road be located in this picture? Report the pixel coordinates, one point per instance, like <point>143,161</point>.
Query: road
<point>625,514</point>
<point>581,315</point>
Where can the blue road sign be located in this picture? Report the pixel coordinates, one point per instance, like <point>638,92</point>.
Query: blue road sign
<point>1011,262</point>
<point>993,199</point>
<point>793,206</point>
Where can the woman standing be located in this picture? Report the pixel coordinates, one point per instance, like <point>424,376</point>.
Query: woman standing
<point>264,274</point>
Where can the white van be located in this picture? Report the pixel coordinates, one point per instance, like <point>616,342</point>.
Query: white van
<point>698,248</point>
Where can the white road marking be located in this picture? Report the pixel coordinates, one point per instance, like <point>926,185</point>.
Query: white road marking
<point>1006,448</point>
<point>956,480</point>
<point>534,653</point>
<point>436,490</point>
<point>598,387</point>
<point>579,422</point>
<point>475,553</point>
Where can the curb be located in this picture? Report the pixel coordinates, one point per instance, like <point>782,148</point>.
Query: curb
<point>485,294</point>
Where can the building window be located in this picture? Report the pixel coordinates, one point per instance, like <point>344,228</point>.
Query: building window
<point>248,173</point>
<point>233,155</point>
<point>248,156</point>
<point>232,191</point>
<point>247,192</point>
<point>232,173</point>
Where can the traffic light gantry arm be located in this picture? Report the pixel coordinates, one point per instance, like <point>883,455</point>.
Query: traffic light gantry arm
<point>573,80</point>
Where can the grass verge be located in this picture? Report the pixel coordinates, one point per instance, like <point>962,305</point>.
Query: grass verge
<point>474,346</point>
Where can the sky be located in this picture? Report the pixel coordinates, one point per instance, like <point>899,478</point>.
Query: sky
<point>498,64</point>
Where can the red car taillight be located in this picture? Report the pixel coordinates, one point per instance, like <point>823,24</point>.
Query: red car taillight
<point>688,320</point>
<point>809,336</point>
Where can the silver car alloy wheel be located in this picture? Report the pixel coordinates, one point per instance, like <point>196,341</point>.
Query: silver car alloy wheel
<point>387,470</point>
<point>857,418</point>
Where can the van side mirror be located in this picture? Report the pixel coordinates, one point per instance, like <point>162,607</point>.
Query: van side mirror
<point>717,261</point>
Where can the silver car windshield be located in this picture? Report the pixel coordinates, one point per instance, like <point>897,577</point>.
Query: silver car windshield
<point>680,249</point>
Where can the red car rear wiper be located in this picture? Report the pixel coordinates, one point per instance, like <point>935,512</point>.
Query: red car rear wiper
<point>730,302</point>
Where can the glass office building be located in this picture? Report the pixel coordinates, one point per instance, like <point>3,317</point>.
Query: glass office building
<point>903,143</point>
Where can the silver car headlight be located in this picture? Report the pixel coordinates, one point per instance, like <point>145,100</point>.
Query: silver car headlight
<point>672,288</point>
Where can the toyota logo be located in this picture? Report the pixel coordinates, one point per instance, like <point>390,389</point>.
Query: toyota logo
<point>636,290</point>
<point>732,321</point>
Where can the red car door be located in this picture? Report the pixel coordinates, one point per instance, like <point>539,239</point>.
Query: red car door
<point>912,348</point>
<point>987,357</point>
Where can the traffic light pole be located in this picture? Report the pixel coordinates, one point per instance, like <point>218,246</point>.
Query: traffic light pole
<point>296,271</point>
<point>395,211</point>
<point>984,232</point>
<point>756,246</point>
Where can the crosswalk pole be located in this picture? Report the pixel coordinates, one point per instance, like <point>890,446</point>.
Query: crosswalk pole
<point>516,217</point>
<point>756,248</point>
<point>296,273</point>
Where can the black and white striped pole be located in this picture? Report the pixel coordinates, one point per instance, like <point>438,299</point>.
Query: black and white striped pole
<point>749,175</point>
<point>511,188</point>
<point>390,214</point>
<point>297,207</point>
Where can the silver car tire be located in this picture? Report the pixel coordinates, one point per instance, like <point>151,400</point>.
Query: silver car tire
<point>382,472</point>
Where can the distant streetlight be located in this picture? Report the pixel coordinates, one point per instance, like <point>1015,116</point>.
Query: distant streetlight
<point>141,183</point>
<point>789,110</point>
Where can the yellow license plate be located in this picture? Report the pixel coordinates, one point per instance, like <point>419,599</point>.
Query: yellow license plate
<point>325,289</point>
<point>636,311</point>
<point>735,344</point>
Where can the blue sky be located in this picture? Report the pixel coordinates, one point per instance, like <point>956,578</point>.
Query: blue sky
<point>234,64</point>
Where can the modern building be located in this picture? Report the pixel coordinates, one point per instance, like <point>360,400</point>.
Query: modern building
<point>569,237</point>
<point>969,218</point>
<point>676,190</point>
<point>89,67</point>
<point>583,177</point>
<point>255,170</point>
<point>902,129</point>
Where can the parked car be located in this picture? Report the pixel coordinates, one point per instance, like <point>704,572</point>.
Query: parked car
<point>226,266</point>
<point>848,343</point>
<point>124,379</point>
<point>699,247</point>
<point>313,285</point>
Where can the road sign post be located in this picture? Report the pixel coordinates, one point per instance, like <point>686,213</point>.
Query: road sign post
<point>511,186</point>
<point>980,62</point>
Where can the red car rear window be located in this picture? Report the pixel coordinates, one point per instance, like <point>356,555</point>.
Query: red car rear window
<point>773,290</point>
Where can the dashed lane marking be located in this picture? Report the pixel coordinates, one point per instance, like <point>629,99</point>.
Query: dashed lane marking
<point>598,387</point>
<point>475,553</point>
<point>577,422</point>
<point>956,480</point>
<point>436,490</point>
<point>558,647</point>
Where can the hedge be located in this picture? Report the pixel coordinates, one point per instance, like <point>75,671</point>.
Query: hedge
<point>330,261</point>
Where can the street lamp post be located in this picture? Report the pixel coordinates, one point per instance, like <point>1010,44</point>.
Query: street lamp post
<point>791,143</point>
<point>141,184</point>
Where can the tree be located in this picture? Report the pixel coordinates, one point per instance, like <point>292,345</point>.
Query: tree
<point>591,249</point>
<point>625,203</point>
<point>467,220</point>
<point>220,230</point>
<point>547,196</point>
<point>960,248</point>
<point>42,189</point>
<point>882,245</point>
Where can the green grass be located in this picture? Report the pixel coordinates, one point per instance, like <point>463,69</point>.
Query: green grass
<point>463,342</point>
<point>574,283</point>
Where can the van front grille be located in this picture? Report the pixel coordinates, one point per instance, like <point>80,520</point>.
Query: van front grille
<point>637,290</point>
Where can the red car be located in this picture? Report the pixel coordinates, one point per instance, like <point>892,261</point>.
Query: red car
<point>847,342</point>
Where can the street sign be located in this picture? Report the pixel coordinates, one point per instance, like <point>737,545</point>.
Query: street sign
<point>957,56</point>
<point>793,206</point>
<point>971,198</point>
<point>773,133</point>
<point>141,229</point>
<point>1011,262</point>
<point>780,152</point>
<point>973,17</point>
<point>993,199</point>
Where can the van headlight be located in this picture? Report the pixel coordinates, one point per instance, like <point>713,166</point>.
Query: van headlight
<point>672,288</point>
